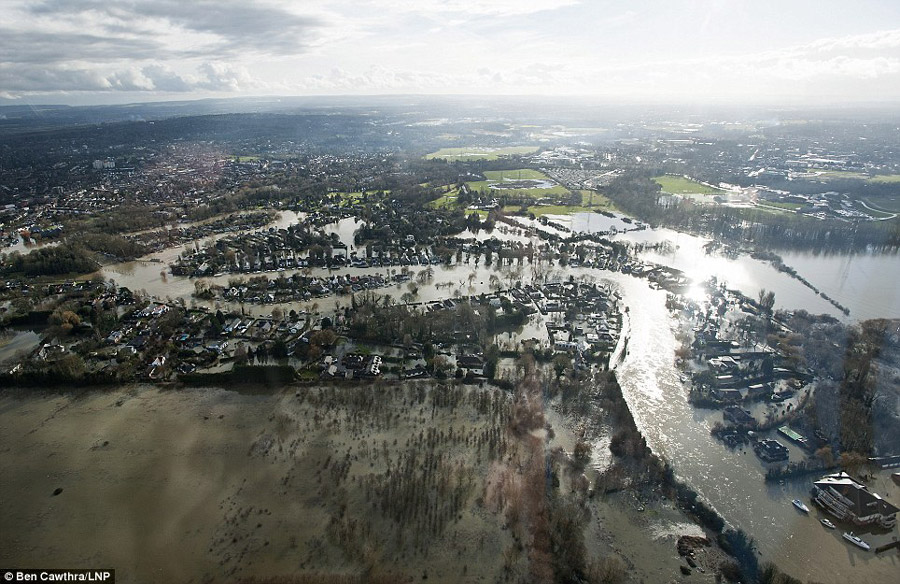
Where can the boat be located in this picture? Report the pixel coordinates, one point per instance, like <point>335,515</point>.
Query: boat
<point>855,540</point>
<point>827,523</point>
<point>799,505</point>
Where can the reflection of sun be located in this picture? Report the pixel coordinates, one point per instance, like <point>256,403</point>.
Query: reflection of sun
<point>697,292</point>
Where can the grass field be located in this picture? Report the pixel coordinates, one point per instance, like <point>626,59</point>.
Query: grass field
<point>678,185</point>
<point>590,201</point>
<point>881,211</point>
<point>886,178</point>
<point>497,176</point>
<point>447,200</point>
<point>540,210</point>
<point>788,206</point>
<point>589,204</point>
<point>838,174</point>
<point>469,153</point>
<point>888,204</point>
<point>518,174</point>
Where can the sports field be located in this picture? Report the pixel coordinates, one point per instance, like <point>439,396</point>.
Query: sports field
<point>522,182</point>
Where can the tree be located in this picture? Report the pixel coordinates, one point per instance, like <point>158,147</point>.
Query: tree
<point>69,367</point>
<point>66,320</point>
<point>766,300</point>
<point>201,289</point>
<point>441,366</point>
<point>240,353</point>
<point>491,359</point>
<point>581,455</point>
<point>560,363</point>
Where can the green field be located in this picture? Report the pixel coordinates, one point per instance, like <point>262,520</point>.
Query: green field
<point>351,198</point>
<point>495,177</point>
<point>886,178</point>
<point>539,210</point>
<point>518,174</point>
<point>468,153</point>
<point>788,206</point>
<point>589,204</point>
<point>590,201</point>
<point>678,185</point>
<point>838,174</point>
<point>447,200</point>
<point>887,208</point>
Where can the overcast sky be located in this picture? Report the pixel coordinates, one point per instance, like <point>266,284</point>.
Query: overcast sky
<point>107,51</point>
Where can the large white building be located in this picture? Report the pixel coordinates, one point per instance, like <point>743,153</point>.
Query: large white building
<point>849,500</point>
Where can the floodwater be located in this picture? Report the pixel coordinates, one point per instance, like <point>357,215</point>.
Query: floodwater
<point>732,481</point>
<point>17,342</point>
<point>23,246</point>
<point>866,283</point>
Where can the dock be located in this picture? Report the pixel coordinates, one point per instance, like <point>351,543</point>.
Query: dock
<point>888,546</point>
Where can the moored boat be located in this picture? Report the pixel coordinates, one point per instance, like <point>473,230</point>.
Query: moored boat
<point>800,505</point>
<point>855,540</point>
<point>827,523</point>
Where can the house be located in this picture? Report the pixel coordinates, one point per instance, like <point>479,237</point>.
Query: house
<point>565,346</point>
<point>738,416</point>
<point>849,500</point>
<point>771,450</point>
<point>416,372</point>
<point>727,394</point>
<point>471,363</point>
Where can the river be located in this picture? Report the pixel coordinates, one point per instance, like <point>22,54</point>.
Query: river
<point>732,481</point>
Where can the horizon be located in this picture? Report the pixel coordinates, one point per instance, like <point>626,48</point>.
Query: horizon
<point>87,52</point>
<point>363,100</point>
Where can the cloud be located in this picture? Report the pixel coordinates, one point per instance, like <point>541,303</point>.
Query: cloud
<point>227,77</point>
<point>208,77</point>
<point>145,45</point>
<point>885,39</point>
<point>378,79</point>
<point>379,46</point>
<point>101,31</point>
<point>476,7</point>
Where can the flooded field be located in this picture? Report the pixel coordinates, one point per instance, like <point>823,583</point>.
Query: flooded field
<point>200,485</point>
<point>182,486</point>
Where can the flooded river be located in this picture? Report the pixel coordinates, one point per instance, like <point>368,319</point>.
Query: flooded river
<point>732,481</point>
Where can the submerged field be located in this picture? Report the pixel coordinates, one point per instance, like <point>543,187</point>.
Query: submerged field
<point>393,483</point>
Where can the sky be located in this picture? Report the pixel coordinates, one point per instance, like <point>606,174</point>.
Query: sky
<point>749,51</point>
